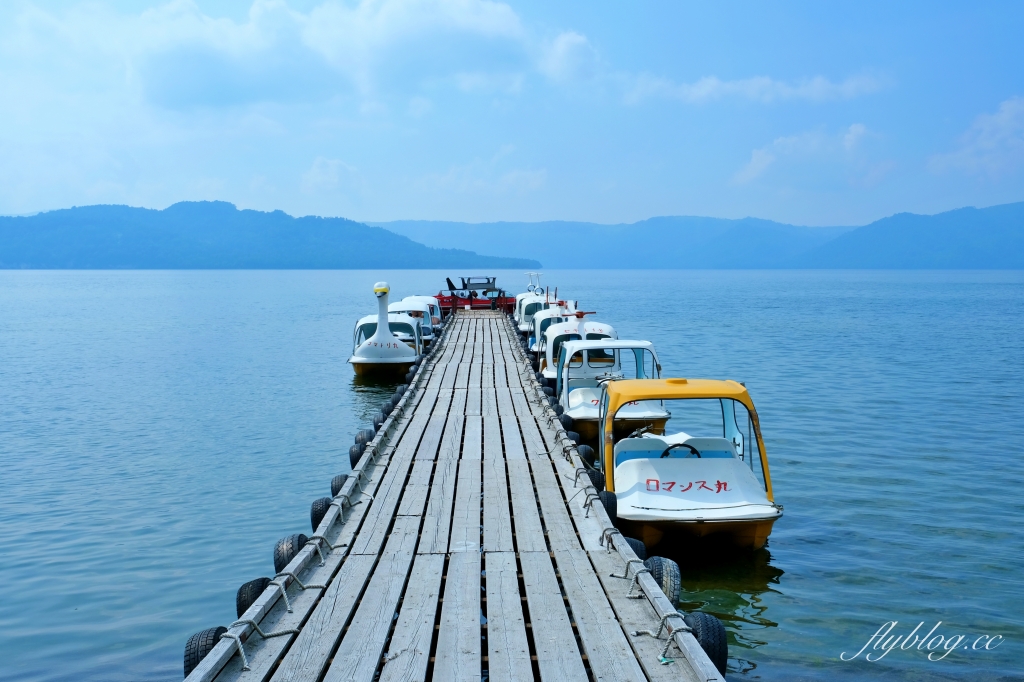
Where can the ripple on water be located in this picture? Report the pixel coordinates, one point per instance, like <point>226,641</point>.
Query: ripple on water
<point>160,430</point>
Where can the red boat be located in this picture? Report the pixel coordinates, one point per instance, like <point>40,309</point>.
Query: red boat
<point>479,293</point>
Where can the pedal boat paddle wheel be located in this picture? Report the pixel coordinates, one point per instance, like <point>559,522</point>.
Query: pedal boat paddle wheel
<point>715,483</point>
<point>377,350</point>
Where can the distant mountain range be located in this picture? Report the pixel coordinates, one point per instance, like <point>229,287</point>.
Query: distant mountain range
<point>967,238</point>
<point>216,235</point>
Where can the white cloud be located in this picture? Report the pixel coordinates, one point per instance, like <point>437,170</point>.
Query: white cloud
<point>568,57</point>
<point>993,146</point>
<point>488,176</point>
<point>814,144</point>
<point>759,89</point>
<point>488,82</point>
<point>420,107</point>
<point>327,175</point>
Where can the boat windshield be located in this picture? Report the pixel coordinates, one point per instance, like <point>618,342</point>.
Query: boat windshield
<point>368,329</point>
<point>717,428</point>
<point>532,308</point>
<point>556,343</point>
<point>547,322</point>
<point>599,356</point>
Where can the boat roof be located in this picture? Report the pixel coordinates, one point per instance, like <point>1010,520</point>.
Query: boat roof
<point>627,390</point>
<point>573,346</point>
<point>405,304</point>
<point>575,323</point>
<point>424,299</point>
<point>392,317</point>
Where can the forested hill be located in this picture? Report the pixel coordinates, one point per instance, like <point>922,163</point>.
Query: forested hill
<point>985,238</point>
<point>216,235</point>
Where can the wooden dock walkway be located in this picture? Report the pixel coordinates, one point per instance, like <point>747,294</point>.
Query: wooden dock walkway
<point>463,549</point>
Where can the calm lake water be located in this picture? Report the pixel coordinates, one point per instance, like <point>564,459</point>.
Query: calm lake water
<point>159,431</point>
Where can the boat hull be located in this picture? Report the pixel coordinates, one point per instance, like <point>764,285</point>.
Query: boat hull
<point>381,369</point>
<point>749,534</point>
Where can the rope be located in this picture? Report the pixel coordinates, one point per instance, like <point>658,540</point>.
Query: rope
<point>256,627</point>
<point>663,658</point>
<point>319,550</point>
<point>636,577</point>
<point>298,582</point>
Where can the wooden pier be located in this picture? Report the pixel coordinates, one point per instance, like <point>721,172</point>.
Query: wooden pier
<point>464,548</point>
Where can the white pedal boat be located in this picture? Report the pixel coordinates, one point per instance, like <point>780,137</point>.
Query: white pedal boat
<point>385,343</point>
<point>582,369</point>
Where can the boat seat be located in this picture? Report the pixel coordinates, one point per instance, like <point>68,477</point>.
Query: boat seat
<point>638,448</point>
<point>573,384</point>
<point>651,448</point>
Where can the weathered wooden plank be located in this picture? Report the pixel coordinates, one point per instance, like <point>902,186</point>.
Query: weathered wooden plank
<point>561,532</point>
<point>409,649</point>
<point>508,652</point>
<point>308,655</point>
<point>525,517</point>
<point>471,440</point>
<point>473,400</point>
<point>504,400</point>
<point>462,373</point>
<point>451,441</point>
<point>458,641</point>
<point>431,439</point>
<point>466,515</point>
<point>382,507</point>
<point>415,495</point>
<point>606,646</point>
<point>497,521</point>
<point>488,401</point>
<point>487,374</point>
<point>534,442</point>
<point>437,521</point>
<point>492,438</point>
<point>511,437</point>
<point>458,405</point>
<point>360,651</point>
<point>557,653</point>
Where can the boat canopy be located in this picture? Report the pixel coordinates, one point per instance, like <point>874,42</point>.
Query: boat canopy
<point>629,390</point>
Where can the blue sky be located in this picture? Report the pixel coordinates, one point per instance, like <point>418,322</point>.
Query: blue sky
<point>812,113</point>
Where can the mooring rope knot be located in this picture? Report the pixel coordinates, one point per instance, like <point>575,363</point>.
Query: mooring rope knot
<point>256,628</point>
<point>664,660</point>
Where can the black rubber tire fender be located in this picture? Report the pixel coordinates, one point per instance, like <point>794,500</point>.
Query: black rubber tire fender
<point>566,421</point>
<point>710,634</point>
<point>559,410</point>
<point>248,593</point>
<point>400,391</point>
<point>379,419</point>
<point>587,455</point>
<point>639,548</point>
<point>286,549</point>
<point>573,436</point>
<point>337,483</point>
<point>596,479</point>
<point>355,452</point>
<point>548,390</point>
<point>318,510</point>
<point>666,573</point>
<point>365,435</point>
<point>611,505</point>
<point>199,645</point>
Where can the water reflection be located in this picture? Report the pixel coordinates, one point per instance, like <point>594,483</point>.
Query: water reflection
<point>728,583</point>
<point>370,393</point>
